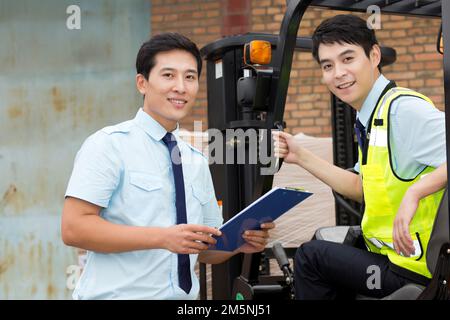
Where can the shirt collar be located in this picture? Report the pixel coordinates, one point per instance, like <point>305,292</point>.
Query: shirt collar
<point>152,127</point>
<point>370,103</point>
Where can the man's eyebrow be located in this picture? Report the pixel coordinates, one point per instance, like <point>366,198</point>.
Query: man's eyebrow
<point>340,55</point>
<point>346,52</point>
<point>173,69</point>
<point>324,60</point>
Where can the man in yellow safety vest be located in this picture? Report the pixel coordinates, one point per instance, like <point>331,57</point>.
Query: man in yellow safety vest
<point>402,171</point>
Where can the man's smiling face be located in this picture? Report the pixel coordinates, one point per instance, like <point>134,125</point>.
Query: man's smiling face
<point>171,88</point>
<point>347,71</point>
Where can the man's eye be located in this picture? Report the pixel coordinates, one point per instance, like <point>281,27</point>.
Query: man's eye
<point>191,77</point>
<point>168,75</point>
<point>348,59</point>
<point>326,67</point>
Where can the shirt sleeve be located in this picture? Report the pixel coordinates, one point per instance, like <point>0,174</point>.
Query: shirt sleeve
<point>96,171</point>
<point>212,213</point>
<point>356,167</point>
<point>420,132</point>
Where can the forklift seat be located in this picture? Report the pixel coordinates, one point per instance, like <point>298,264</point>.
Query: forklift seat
<point>440,235</point>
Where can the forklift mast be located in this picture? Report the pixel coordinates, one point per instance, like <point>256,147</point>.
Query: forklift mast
<point>240,98</point>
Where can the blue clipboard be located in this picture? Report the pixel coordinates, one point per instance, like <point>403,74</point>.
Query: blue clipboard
<point>267,208</point>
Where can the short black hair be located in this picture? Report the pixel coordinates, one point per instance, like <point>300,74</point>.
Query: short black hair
<point>163,42</point>
<point>343,28</point>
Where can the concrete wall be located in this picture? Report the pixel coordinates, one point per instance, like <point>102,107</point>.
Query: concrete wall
<point>57,86</point>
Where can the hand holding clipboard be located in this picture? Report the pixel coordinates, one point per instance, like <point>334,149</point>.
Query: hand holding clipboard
<point>267,208</point>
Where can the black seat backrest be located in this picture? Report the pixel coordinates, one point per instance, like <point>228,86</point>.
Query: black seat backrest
<point>440,233</point>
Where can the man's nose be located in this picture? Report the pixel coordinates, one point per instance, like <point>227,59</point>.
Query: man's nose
<point>339,70</point>
<point>180,86</point>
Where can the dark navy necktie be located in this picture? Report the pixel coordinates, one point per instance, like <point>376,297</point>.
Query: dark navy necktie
<point>360,132</point>
<point>184,266</point>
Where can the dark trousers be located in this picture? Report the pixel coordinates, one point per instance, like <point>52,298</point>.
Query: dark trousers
<point>328,270</point>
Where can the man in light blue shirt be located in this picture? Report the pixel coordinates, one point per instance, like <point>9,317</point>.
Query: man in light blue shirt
<point>128,191</point>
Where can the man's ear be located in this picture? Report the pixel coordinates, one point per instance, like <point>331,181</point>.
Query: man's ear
<point>141,83</point>
<point>375,55</point>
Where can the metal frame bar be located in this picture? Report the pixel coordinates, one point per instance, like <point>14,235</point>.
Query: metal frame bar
<point>401,7</point>
<point>446,64</point>
<point>283,59</point>
<point>282,65</point>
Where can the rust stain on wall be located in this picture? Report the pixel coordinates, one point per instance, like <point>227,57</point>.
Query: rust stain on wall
<point>18,96</point>
<point>50,291</point>
<point>39,251</point>
<point>3,266</point>
<point>58,101</point>
<point>15,112</point>
<point>33,290</point>
<point>18,92</point>
<point>13,197</point>
<point>9,194</point>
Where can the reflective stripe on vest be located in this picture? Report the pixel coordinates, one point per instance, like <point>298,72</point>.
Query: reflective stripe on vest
<point>384,190</point>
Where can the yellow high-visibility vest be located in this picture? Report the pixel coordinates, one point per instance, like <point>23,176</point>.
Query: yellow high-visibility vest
<point>384,191</point>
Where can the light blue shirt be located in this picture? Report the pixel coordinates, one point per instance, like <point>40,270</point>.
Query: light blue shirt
<point>127,170</point>
<point>416,132</point>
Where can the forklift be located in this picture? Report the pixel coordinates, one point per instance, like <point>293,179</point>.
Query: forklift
<point>247,84</point>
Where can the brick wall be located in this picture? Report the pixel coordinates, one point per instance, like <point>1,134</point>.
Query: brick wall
<point>418,64</point>
<point>201,21</point>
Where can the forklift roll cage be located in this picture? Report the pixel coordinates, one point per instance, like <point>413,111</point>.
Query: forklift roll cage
<point>239,185</point>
